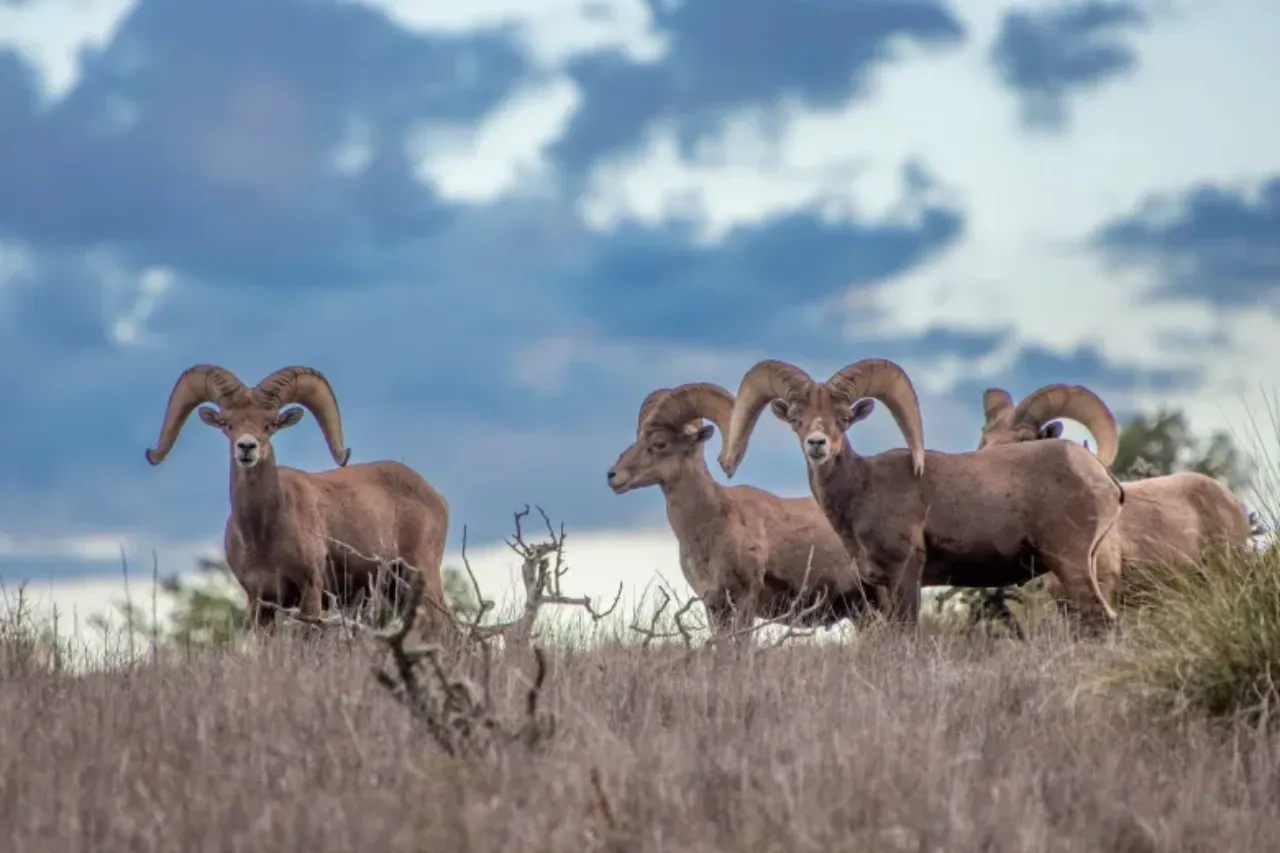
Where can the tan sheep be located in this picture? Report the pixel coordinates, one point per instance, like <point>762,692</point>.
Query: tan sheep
<point>293,535</point>
<point>963,519</point>
<point>1169,520</point>
<point>743,550</point>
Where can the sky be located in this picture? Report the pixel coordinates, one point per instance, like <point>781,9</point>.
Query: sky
<point>496,225</point>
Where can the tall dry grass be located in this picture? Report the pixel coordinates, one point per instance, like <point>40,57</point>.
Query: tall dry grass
<point>883,743</point>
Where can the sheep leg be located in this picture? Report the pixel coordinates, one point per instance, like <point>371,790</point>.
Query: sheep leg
<point>728,613</point>
<point>1082,596</point>
<point>312,603</point>
<point>904,591</point>
<point>259,618</point>
<point>902,559</point>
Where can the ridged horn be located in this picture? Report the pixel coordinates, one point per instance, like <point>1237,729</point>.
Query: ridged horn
<point>308,388</point>
<point>200,383</point>
<point>647,406</point>
<point>995,399</point>
<point>1077,403</point>
<point>689,402</point>
<point>766,381</point>
<point>883,380</point>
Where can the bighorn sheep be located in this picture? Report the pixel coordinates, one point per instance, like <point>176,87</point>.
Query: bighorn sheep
<point>744,551</point>
<point>961,520</point>
<point>293,535</point>
<point>1166,519</point>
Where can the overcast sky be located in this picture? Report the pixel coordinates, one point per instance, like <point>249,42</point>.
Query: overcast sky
<point>496,225</point>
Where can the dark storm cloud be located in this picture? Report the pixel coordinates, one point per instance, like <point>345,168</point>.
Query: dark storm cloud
<point>203,137</point>
<point>726,54</point>
<point>1046,53</point>
<point>1210,242</point>
<point>757,284</point>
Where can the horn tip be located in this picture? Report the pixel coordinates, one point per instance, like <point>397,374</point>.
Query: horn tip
<point>344,457</point>
<point>153,457</point>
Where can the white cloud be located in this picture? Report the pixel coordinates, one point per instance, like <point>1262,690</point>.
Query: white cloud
<point>552,31</point>
<point>1197,109</point>
<point>50,34</point>
<point>136,548</point>
<point>504,152</point>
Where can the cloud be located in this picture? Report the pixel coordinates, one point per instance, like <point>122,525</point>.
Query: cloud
<point>1044,54</point>
<point>722,56</point>
<point>494,248</point>
<point>1212,242</point>
<point>194,140</point>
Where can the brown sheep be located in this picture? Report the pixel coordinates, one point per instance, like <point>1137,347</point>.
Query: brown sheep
<point>963,519</point>
<point>1166,520</point>
<point>743,550</point>
<point>293,535</point>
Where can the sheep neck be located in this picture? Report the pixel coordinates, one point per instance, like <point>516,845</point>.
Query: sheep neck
<point>694,503</point>
<point>257,501</point>
<point>840,489</point>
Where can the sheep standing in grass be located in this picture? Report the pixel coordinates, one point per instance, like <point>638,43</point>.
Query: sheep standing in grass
<point>1169,520</point>
<point>294,535</point>
<point>744,551</point>
<point>963,519</point>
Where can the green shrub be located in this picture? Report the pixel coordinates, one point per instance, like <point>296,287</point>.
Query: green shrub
<point>1205,641</point>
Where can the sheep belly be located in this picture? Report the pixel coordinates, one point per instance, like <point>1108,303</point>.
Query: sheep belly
<point>946,565</point>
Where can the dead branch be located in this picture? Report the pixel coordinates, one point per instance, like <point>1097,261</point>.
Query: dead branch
<point>540,579</point>
<point>456,713</point>
<point>794,619</point>
<point>651,631</point>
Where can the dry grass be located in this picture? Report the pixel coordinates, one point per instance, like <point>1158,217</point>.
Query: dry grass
<point>885,744</point>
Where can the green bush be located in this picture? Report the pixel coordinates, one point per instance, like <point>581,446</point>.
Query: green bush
<point>1205,641</point>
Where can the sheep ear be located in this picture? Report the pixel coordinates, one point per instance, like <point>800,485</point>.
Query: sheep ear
<point>1052,429</point>
<point>862,410</point>
<point>289,417</point>
<point>780,409</point>
<point>703,434</point>
<point>211,417</point>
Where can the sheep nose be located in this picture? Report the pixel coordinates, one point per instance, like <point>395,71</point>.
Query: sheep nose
<point>612,473</point>
<point>245,445</point>
<point>816,442</point>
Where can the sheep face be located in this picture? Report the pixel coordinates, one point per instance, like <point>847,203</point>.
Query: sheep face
<point>1004,428</point>
<point>658,456</point>
<point>820,418</point>
<point>249,429</point>
<point>1038,417</point>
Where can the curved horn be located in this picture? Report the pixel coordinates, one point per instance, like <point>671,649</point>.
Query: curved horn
<point>995,399</point>
<point>1079,404</point>
<point>308,387</point>
<point>647,407</point>
<point>885,381</point>
<point>692,401</point>
<point>200,383</point>
<point>768,380</point>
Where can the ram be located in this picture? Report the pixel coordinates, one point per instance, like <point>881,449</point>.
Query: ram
<point>1169,520</point>
<point>911,517</point>
<point>292,535</point>
<point>747,553</point>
